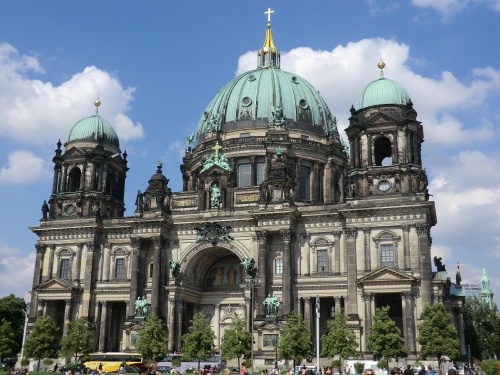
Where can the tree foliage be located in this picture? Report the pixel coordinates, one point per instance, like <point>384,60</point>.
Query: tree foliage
<point>237,341</point>
<point>385,339</point>
<point>295,342</point>
<point>152,340</point>
<point>340,340</point>
<point>481,328</point>
<point>42,341</point>
<point>13,310</point>
<point>437,335</point>
<point>7,340</point>
<point>490,366</point>
<point>199,341</point>
<point>78,341</point>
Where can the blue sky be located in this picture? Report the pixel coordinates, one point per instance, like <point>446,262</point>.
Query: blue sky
<point>156,64</point>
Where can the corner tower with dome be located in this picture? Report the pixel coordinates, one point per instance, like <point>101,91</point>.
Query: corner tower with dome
<point>274,205</point>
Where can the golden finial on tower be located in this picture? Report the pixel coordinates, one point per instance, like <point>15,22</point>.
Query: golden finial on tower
<point>97,103</point>
<point>381,66</point>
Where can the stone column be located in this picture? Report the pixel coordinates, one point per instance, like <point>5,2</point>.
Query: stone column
<point>368,264</point>
<point>77,262</point>
<point>369,146</point>
<point>307,313</point>
<point>82,177</point>
<point>395,152</point>
<point>62,181</point>
<point>106,262</point>
<point>103,326</point>
<point>336,263</point>
<point>180,313</point>
<point>338,304</point>
<point>460,323</point>
<point>408,321</point>
<point>155,282</point>
<point>262,237</point>
<point>253,171</point>
<point>87,284</point>
<point>352,308</point>
<point>171,324</point>
<point>248,311</point>
<point>52,250</point>
<point>406,246</point>
<point>297,177</point>
<point>40,307</point>
<point>286,235</point>
<point>367,299</point>
<point>40,249</point>
<point>67,316</point>
<point>315,182</point>
<point>135,244</point>
<point>57,174</point>
<point>217,325</point>
<point>328,186</point>
<point>425,264</point>
<point>307,256</point>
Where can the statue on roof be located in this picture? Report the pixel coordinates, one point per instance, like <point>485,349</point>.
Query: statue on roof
<point>439,264</point>
<point>277,118</point>
<point>189,139</point>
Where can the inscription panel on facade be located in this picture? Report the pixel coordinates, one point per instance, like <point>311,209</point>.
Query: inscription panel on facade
<point>183,203</point>
<point>247,198</point>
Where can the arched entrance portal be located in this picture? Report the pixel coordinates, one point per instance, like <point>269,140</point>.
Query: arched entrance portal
<point>212,281</point>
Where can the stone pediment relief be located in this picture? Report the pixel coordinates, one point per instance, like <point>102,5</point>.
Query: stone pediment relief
<point>386,275</point>
<point>381,118</point>
<point>55,285</point>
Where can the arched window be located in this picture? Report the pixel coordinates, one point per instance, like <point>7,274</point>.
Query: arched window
<point>383,151</point>
<point>119,261</point>
<point>74,179</point>
<point>387,244</point>
<point>64,261</point>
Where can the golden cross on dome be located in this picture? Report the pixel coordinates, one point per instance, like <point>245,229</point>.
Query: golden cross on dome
<point>216,148</point>
<point>269,12</point>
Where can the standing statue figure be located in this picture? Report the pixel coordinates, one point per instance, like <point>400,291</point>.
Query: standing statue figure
<point>139,202</point>
<point>45,210</point>
<point>271,305</point>
<point>214,196</point>
<point>174,266</point>
<point>189,139</point>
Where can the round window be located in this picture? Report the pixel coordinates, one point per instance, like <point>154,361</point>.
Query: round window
<point>295,79</point>
<point>303,104</point>
<point>246,101</point>
<point>251,77</point>
<point>384,185</point>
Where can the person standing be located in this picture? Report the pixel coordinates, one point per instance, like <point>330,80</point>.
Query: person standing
<point>243,370</point>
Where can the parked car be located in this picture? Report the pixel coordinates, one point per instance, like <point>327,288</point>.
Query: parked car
<point>163,369</point>
<point>133,369</point>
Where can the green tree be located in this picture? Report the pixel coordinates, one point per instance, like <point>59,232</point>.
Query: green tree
<point>490,366</point>
<point>78,341</point>
<point>42,341</point>
<point>481,328</point>
<point>13,310</point>
<point>237,341</point>
<point>152,340</point>
<point>437,335</point>
<point>295,342</point>
<point>339,340</point>
<point>385,339</point>
<point>7,340</point>
<point>199,341</point>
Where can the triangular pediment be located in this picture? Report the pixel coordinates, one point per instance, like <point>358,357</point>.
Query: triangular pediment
<point>55,285</point>
<point>214,169</point>
<point>386,275</point>
<point>74,151</point>
<point>380,118</point>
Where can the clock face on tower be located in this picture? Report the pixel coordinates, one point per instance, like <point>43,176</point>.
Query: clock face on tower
<point>384,185</point>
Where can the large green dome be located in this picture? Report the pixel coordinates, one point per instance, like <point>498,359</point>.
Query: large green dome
<point>380,92</point>
<point>248,100</point>
<point>93,128</point>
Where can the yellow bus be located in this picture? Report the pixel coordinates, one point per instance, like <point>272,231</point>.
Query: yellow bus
<point>111,361</point>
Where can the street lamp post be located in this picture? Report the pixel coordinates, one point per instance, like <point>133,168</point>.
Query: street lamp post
<point>253,282</point>
<point>27,313</point>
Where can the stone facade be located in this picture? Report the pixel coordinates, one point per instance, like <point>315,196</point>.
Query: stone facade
<point>318,220</point>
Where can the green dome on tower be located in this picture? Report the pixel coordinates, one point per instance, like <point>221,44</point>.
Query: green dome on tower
<point>94,128</point>
<point>251,100</point>
<point>382,91</point>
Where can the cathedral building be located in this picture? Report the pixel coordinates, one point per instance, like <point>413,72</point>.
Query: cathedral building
<point>267,183</point>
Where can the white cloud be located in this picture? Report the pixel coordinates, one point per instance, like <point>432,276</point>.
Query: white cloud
<point>17,271</point>
<point>36,112</point>
<point>23,167</point>
<point>448,8</point>
<point>341,74</point>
